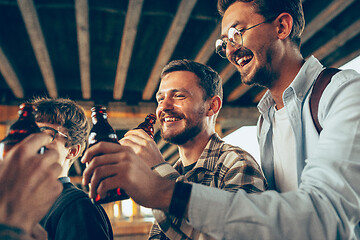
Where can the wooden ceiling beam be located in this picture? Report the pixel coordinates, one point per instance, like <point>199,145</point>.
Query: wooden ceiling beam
<point>173,159</point>
<point>37,40</point>
<point>236,117</point>
<point>346,59</point>
<point>10,76</point>
<point>127,44</point>
<point>161,143</point>
<point>168,152</point>
<point>82,28</point>
<point>227,73</point>
<point>324,17</point>
<point>238,92</point>
<point>339,40</point>
<point>258,97</point>
<point>178,24</point>
<point>209,47</point>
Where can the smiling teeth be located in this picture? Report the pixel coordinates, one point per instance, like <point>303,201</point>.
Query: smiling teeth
<point>243,59</point>
<point>170,119</point>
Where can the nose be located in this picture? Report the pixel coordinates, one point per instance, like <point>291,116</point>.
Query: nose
<point>230,49</point>
<point>165,104</point>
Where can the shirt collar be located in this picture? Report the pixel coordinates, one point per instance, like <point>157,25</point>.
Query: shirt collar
<point>300,85</point>
<point>64,179</point>
<point>212,149</point>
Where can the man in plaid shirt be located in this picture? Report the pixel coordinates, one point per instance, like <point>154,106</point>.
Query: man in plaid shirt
<point>189,100</point>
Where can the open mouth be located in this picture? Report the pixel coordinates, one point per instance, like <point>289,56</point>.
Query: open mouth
<point>243,58</point>
<point>170,119</point>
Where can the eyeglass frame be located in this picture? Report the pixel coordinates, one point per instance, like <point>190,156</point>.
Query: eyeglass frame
<point>55,131</point>
<point>233,42</point>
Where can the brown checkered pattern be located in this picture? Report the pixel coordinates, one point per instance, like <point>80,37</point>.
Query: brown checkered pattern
<point>220,165</point>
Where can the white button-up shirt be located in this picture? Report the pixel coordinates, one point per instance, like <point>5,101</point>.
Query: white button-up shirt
<point>327,202</point>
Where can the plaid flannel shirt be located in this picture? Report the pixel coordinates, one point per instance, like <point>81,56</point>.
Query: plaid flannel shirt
<point>220,165</point>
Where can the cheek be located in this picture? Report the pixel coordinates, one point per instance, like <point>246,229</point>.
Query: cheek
<point>157,112</point>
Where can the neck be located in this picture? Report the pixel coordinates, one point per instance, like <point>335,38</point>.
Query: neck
<point>287,68</point>
<point>65,168</point>
<point>191,150</point>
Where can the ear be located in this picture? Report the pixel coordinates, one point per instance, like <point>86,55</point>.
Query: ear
<point>73,151</point>
<point>215,105</point>
<point>285,25</point>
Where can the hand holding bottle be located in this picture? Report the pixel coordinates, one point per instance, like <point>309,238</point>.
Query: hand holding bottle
<point>101,134</point>
<point>114,166</point>
<point>28,182</point>
<point>143,146</point>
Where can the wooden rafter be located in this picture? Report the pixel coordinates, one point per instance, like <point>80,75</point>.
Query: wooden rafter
<point>127,44</point>
<point>82,27</point>
<point>324,17</point>
<point>346,59</point>
<point>168,47</point>
<point>238,92</point>
<point>37,40</point>
<point>227,73</point>
<point>168,152</point>
<point>338,41</point>
<point>209,47</point>
<point>10,76</point>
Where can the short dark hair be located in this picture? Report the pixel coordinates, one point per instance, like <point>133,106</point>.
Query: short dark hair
<point>272,8</point>
<point>209,80</point>
<point>67,114</point>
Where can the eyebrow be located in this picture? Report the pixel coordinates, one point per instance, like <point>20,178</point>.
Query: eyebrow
<point>173,91</point>
<point>237,22</point>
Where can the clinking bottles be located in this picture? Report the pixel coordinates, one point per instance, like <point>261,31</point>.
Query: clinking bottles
<point>148,125</point>
<point>102,131</point>
<point>23,127</point>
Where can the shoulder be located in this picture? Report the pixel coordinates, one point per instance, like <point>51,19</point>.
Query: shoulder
<point>232,155</point>
<point>344,85</point>
<point>73,200</point>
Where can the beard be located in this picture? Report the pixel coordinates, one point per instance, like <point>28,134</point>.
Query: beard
<point>184,136</point>
<point>191,130</point>
<point>263,76</point>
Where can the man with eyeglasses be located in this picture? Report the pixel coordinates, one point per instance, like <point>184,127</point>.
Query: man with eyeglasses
<point>314,176</point>
<point>73,215</point>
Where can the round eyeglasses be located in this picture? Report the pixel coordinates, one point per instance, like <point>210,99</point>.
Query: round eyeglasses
<point>235,37</point>
<point>52,132</point>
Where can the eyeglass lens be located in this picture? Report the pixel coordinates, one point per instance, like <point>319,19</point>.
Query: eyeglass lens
<point>235,39</point>
<point>51,132</point>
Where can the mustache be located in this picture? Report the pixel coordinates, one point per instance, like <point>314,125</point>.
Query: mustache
<point>241,52</point>
<point>170,113</point>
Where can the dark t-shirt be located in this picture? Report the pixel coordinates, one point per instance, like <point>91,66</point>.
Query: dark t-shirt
<point>74,217</point>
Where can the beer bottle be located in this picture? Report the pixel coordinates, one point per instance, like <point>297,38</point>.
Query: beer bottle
<point>148,125</point>
<point>23,127</point>
<point>102,131</point>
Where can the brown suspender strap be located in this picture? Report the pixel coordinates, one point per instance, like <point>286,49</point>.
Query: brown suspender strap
<point>321,82</point>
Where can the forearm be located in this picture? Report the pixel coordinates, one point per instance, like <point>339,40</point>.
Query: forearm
<point>269,215</point>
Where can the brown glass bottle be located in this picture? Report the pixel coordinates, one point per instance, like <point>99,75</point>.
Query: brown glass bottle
<point>103,132</point>
<point>148,125</point>
<point>23,127</point>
